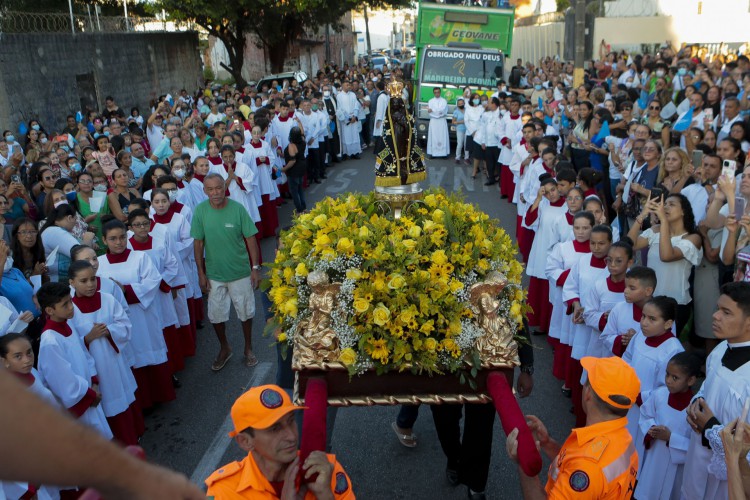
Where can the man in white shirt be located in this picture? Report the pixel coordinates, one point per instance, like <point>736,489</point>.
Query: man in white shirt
<point>381,106</point>
<point>731,115</point>
<point>347,113</point>
<point>215,115</point>
<point>438,140</point>
<point>310,123</point>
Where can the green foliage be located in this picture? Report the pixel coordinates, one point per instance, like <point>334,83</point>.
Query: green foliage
<point>208,74</point>
<point>108,7</point>
<point>562,5</point>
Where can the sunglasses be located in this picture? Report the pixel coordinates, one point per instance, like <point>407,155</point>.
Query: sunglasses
<point>657,108</point>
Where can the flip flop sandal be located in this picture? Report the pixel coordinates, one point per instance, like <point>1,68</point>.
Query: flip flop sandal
<point>218,365</point>
<point>410,441</point>
<point>251,361</point>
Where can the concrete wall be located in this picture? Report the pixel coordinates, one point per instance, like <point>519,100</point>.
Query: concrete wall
<point>45,76</point>
<point>531,43</point>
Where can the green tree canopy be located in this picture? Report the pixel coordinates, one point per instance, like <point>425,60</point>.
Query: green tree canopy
<point>274,23</point>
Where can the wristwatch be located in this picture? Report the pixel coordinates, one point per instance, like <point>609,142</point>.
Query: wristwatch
<point>257,267</point>
<point>528,369</point>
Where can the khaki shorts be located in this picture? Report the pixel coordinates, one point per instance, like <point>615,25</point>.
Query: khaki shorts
<point>239,292</point>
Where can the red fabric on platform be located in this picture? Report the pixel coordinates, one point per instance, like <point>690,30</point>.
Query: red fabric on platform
<point>314,420</point>
<point>511,418</point>
<point>538,299</point>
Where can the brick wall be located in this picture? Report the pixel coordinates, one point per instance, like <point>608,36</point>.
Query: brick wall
<point>44,76</point>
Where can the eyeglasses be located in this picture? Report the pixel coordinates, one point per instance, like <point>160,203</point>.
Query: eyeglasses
<point>574,198</point>
<point>140,224</point>
<point>656,108</point>
<point>649,149</point>
<point>30,232</point>
<point>85,181</point>
<point>50,177</point>
<point>627,109</point>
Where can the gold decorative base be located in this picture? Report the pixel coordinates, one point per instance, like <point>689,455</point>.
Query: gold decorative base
<point>398,197</point>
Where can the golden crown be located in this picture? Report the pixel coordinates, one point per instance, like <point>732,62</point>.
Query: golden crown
<point>394,88</point>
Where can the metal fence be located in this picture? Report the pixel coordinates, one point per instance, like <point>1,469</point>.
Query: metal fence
<point>32,22</point>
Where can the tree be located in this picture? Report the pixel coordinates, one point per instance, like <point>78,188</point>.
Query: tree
<point>275,24</point>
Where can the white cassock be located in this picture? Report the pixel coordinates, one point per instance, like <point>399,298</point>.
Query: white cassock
<point>116,380</point>
<point>195,192</point>
<point>256,151</point>
<point>565,228</point>
<point>660,477</point>
<point>174,228</point>
<point>623,317</point>
<point>438,141</point>
<point>241,188</point>
<point>601,298</point>
<point>725,392</point>
<point>650,364</point>
<point>381,106</point>
<point>518,155</point>
<point>141,280</point>
<point>346,109</point>
<point>547,218</point>
<point>559,263</point>
<point>280,128</point>
<point>68,369</point>
<point>583,275</point>
<point>530,187</point>
<point>511,128</point>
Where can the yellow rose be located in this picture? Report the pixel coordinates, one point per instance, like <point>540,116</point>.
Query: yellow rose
<point>348,356</point>
<point>364,232</point>
<point>361,305</point>
<point>381,315</point>
<point>320,220</point>
<point>353,274</point>
<point>456,285</point>
<point>288,275</point>
<point>328,254</point>
<point>515,309</point>
<point>414,231</point>
<point>428,225</point>
<point>397,281</point>
<point>301,269</point>
<point>409,244</point>
<point>321,242</point>
<point>439,257</point>
<point>346,246</point>
<point>438,215</point>
<point>427,327</point>
<point>430,344</point>
<point>430,200</point>
<point>297,249</point>
<point>281,338</point>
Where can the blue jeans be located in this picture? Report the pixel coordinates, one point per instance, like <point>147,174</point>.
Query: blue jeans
<point>298,195</point>
<point>407,416</point>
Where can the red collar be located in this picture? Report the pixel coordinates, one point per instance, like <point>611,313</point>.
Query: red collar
<point>199,177</point>
<point>637,313</point>
<point>523,141</point>
<point>583,247</point>
<point>180,184</point>
<point>615,287</point>
<point>88,304</point>
<point>61,328</point>
<point>98,284</point>
<point>166,218</point>
<point>119,258</point>
<point>240,150</point>
<point>258,145</point>
<point>26,378</point>
<point>215,161</point>
<point>535,158</point>
<point>681,400</point>
<point>598,263</point>
<point>559,202</point>
<point>283,119</point>
<point>570,218</point>
<point>590,192</point>
<point>137,245</point>
<point>176,207</point>
<point>659,339</point>
<point>514,117</point>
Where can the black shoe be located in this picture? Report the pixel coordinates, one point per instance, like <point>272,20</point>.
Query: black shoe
<point>355,157</point>
<point>199,325</point>
<point>476,495</point>
<point>489,183</point>
<point>566,392</point>
<point>452,476</point>
<point>176,382</point>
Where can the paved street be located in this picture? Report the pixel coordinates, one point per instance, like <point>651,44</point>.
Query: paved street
<point>189,435</point>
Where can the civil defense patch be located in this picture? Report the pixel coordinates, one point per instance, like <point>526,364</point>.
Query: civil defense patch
<point>579,481</point>
<point>271,399</point>
<point>342,484</point>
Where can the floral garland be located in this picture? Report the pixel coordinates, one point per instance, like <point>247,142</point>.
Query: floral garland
<point>404,296</point>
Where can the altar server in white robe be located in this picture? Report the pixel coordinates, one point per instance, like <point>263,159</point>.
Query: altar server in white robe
<point>12,318</point>
<point>518,154</point>
<point>724,391</point>
<point>195,186</point>
<point>664,422</point>
<point>280,126</point>
<point>438,140</point>
<point>105,328</point>
<point>347,110</point>
<point>239,181</point>
<point>140,280</point>
<point>624,320</point>
<point>65,363</point>
<point>559,263</point>
<point>649,352</point>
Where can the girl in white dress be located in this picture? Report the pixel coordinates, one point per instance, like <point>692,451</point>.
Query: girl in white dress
<point>663,422</point>
<point>106,329</point>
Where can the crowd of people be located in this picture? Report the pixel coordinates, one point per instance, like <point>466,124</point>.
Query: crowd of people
<point>632,217</point>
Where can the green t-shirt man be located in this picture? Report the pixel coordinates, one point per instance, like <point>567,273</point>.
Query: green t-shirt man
<point>223,231</point>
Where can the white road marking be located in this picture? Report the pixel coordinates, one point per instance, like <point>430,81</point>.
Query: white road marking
<point>210,460</point>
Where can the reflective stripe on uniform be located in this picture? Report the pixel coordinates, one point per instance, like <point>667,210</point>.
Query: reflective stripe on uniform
<point>620,465</point>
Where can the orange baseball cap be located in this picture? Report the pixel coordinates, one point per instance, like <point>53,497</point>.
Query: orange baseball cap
<point>612,377</point>
<point>260,408</point>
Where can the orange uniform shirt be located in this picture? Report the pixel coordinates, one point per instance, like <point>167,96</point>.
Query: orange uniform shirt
<point>598,461</point>
<point>243,479</point>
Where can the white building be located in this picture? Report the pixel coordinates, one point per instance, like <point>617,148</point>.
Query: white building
<point>389,29</point>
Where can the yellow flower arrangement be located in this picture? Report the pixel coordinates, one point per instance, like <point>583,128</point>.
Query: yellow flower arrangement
<point>404,298</point>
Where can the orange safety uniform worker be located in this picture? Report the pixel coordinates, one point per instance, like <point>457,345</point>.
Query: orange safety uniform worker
<point>597,461</point>
<point>265,427</point>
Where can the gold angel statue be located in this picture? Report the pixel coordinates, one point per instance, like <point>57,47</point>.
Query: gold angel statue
<point>316,341</point>
<point>496,346</point>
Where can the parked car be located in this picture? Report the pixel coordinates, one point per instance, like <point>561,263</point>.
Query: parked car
<point>300,76</point>
<point>380,62</point>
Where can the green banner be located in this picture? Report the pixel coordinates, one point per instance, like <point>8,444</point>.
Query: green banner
<point>440,24</point>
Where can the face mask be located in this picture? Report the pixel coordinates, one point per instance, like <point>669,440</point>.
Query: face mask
<point>43,140</point>
<point>36,127</point>
<point>179,173</point>
<point>682,71</point>
<point>75,167</point>
<point>65,148</point>
<point>537,87</point>
<point>374,78</point>
<point>484,104</point>
<point>10,138</point>
<point>460,107</point>
<point>101,188</point>
<point>61,202</point>
<point>314,107</point>
<point>476,102</point>
<point>8,264</point>
<point>106,133</point>
<point>660,73</point>
<point>326,93</point>
<point>172,193</point>
<point>71,196</point>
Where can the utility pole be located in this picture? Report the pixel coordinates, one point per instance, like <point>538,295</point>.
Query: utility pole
<point>328,45</point>
<point>367,32</point>
<point>580,41</point>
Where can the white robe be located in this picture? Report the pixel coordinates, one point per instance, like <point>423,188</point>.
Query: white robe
<point>559,263</point>
<point>725,392</point>
<point>530,188</point>
<point>116,380</point>
<point>600,299</point>
<point>519,154</point>
<point>167,265</point>
<point>661,475</point>
<point>139,274</point>
<point>511,128</point>
<point>622,318</point>
<point>177,231</point>
<point>650,364</point>
<point>438,140</point>
<point>241,192</point>
<point>547,219</point>
<point>581,278</point>
<point>347,107</point>
<point>195,193</point>
<point>265,181</point>
<point>68,370</point>
<point>380,110</point>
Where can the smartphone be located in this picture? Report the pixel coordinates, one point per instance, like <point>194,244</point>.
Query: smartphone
<point>729,169</point>
<point>15,178</point>
<point>709,114</point>
<point>739,208</point>
<point>656,193</point>
<point>697,158</point>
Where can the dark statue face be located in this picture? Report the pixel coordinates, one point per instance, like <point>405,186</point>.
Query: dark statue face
<point>397,104</point>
